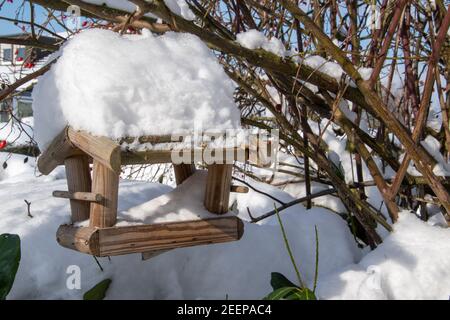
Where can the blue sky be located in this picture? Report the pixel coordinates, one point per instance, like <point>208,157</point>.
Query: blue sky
<point>10,10</point>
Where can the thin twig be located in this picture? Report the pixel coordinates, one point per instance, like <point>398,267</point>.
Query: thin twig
<point>28,208</point>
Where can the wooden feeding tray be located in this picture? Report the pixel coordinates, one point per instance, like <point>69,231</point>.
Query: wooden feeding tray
<point>96,198</point>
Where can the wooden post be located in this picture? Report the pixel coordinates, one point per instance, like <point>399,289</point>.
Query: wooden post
<point>102,149</point>
<point>183,171</point>
<point>78,180</point>
<point>105,182</point>
<point>218,185</point>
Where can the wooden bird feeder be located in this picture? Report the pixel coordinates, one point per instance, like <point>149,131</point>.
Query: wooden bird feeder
<point>96,198</point>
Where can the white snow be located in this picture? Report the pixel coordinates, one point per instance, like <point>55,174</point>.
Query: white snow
<point>244,266</point>
<point>179,7</point>
<point>254,39</point>
<point>10,73</point>
<point>17,134</point>
<point>411,263</point>
<point>116,4</point>
<point>181,204</point>
<point>130,86</point>
<point>333,69</point>
<point>433,146</point>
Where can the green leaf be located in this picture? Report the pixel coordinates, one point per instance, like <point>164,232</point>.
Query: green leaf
<point>307,294</point>
<point>278,281</point>
<point>9,262</point>
<point>291,293</point>
<point>98,292</point>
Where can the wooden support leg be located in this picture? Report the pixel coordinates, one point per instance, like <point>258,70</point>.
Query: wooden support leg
<point>105,182</point>
<point>218,184</point>
<point>78,180</point>
<point>183,171</point>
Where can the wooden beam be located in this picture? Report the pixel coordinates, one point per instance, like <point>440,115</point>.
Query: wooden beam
<point>78,180</point>
<point>106,183</point>
<point>218,185</point>
<point>257,153</point>
<point>55,154</point>
<point>183,171</point>
<point>144,238</point>
<point>102,149</point>
<point>152,139</point>
<point>192,156</point>
<point>81,196</point>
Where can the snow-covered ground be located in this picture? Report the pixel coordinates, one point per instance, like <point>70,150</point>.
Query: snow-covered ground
<point>411,263</point>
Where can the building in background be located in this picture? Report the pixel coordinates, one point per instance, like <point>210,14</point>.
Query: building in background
<point>16,61</point>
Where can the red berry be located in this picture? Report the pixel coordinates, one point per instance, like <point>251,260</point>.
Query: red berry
<point>3,144</point>
<point>19,59</point>
<point>84,24</point>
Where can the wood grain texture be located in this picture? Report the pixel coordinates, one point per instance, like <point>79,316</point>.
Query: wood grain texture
<point>102,149</point>
<point>106,183</point>
<point>218,185</point>
<point>78,180</point>
<point>55,154</point>
<point>84,239</point>
<point>82,196</point>
<point>183,171</point>
<point>187,156</point>
<point>145,238</point>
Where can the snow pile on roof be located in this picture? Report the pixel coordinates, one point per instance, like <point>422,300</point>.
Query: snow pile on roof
<point>254,39</point>
<point>131,86</point>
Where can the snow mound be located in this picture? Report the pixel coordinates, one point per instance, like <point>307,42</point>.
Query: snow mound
<point>412,263</point>
<point>118,86</point>
<point>181,204</point>
<point>238,269</point>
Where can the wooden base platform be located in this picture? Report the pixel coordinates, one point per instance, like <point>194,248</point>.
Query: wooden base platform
<point>113,241</point>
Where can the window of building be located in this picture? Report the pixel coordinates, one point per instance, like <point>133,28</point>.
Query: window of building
<point>24,109</point>
<point>4,113</point>
<point>7,54</point>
